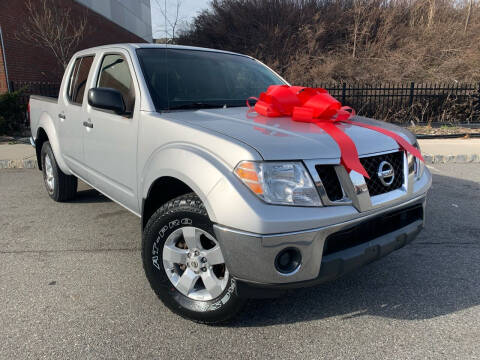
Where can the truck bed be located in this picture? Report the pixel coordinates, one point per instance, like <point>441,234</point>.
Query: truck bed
<point>42,107</point>
<point>52,99</point>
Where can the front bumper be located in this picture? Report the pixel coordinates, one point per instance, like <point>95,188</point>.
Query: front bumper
<point>250,257</point>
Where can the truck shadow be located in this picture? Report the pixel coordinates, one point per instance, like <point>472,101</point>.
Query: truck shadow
<point>437,274</point>
<point>90,196</point>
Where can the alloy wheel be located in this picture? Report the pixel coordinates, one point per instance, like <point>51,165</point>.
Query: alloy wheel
<point>49,177</point>
<point>194,263</point>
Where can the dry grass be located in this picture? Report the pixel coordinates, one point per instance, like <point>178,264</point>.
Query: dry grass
<point>366,41</point>
<point>442,130</point>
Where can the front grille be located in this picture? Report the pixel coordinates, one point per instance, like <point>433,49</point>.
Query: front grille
<point>371,229</point>
<point>371,164</point>
<point>330,181</point>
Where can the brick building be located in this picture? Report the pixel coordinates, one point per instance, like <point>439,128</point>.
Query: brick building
<point>108,21</point>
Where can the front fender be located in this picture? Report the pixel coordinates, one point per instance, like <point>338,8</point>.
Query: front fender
<point>46,123</point>
<point>227,201</point>
<point>195,167</point>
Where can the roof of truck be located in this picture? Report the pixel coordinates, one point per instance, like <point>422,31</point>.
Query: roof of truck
<point>133,46</point>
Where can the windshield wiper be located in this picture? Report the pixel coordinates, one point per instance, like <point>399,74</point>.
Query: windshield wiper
<point>196,105</point>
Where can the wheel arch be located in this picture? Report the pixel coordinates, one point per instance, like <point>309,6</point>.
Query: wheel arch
<point>162,190</point>
<point>180,167</point>
<point>46,129</point>
<point>41,138</point>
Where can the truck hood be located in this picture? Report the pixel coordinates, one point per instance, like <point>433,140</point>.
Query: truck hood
<point>284,139</point>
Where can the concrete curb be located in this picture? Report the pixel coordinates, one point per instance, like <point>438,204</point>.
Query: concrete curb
<point>429,159</point>
<point>18,164</point>
<point>459,159</point>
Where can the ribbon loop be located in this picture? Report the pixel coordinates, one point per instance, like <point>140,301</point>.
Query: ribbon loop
<point>316,105</point>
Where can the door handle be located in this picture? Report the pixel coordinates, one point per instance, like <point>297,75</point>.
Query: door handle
<point>62,116</point>
<point>88,124</point>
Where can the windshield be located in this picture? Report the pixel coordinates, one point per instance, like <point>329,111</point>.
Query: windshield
<point>189,79</point>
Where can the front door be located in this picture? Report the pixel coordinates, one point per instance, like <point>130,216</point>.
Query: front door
<point>110,140</point>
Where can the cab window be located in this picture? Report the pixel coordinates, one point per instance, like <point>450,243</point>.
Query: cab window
<point>115,74</point>
<point>78,79</point>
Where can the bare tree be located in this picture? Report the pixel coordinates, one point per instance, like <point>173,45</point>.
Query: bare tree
<point>469,14</point>
<point>431,13</point>
<point>357,18</point>
<point>172,21</point>
<point>49,24</point>
<point>362,22</point>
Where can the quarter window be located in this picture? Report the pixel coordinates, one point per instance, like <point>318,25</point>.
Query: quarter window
<point>115,74</point>
<point>78,79</point>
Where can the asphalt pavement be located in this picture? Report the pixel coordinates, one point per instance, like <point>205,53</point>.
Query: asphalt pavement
<point>72,286</point>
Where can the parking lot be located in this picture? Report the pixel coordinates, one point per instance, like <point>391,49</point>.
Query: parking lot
<point>72,286</point>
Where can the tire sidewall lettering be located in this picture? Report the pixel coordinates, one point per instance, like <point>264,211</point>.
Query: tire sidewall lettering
<point>166,229</point>
<point>218,304</point>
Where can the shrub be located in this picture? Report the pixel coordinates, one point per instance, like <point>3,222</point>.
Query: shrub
<point>368,41</point>
<point>12,113</point>
<point>2,124</point>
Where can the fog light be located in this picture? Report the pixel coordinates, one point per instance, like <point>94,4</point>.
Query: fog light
<point>288,260</point>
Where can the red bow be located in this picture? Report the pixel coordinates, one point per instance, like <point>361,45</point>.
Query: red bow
<point>316,105</point>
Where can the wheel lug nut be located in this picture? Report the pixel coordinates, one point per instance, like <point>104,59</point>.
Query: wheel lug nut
<point>204,269</point>
<point>204,260</point>
<point>197,252</point>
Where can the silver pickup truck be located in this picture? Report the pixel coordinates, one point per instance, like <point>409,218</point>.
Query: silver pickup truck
<point>233,205</point>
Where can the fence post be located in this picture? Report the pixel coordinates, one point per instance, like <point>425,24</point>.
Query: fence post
<point>476,106</point>
<point>344,90</point>
<point>412,91</point>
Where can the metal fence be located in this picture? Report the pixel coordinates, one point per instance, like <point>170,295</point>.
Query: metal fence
<point>398,102</point>
<point>34,88</point>
<point>393,102</point>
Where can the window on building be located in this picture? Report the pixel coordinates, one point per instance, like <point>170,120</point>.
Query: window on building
<point>78,79</point>
<point>114,74</point>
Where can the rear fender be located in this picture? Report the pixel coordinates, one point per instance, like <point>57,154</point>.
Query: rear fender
<point>46,123</point>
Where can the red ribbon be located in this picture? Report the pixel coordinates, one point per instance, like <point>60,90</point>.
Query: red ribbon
<point>316,105</point>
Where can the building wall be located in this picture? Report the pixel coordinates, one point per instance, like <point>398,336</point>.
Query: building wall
<point>133,15</point>
<point>32,63</point>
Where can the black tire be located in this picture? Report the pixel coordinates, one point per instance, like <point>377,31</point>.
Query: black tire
<point>185,210</point>
<point>64,186</point>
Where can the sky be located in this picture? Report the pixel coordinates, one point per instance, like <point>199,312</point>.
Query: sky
<point>188,10</point>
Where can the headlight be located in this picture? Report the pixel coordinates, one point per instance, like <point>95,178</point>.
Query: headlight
<point>419,164</point>
<point>282,183</point>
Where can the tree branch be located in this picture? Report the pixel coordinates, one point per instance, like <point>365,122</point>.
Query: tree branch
<point>50,25</point>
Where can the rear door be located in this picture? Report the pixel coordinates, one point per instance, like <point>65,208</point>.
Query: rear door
<point>72,114</point>
<point>110,140</point>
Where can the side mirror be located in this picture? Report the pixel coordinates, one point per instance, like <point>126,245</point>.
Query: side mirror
<point>106,98</point>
